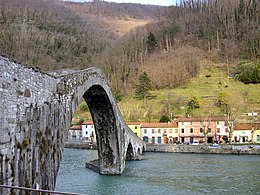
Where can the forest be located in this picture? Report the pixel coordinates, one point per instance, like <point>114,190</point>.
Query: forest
<point>169,43</point>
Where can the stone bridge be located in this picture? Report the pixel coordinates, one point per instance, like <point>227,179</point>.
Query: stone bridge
<point>36,110</point>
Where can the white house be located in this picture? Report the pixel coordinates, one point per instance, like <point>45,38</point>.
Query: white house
<point>88,131</point>
<point>242,132</point>
<point>75,133</point>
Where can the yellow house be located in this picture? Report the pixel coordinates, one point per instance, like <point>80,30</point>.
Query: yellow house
<point>256,133</point>
<point>135,127</point>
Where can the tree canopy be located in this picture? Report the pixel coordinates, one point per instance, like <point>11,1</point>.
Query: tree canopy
<point>248,72</point>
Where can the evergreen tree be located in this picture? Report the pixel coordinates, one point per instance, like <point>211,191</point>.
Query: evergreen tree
<point>151,42</point>
<point>143,87</point>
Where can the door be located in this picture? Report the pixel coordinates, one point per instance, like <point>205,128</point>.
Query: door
<point>159,140</point>
<point>153,140</point>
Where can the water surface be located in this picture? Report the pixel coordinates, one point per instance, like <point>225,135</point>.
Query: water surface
<point>163,173</point>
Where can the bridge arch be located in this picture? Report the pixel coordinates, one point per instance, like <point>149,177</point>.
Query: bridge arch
<point>35,113</point>
<point>105,126</point>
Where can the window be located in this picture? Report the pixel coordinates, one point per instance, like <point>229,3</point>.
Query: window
<point>159,130</point>
<point>191,130</point>
<point>165,130</point>
<point>153,130</point>
<point>145,139</point>
<point>170,130</point>
<point>217,122</point>
<point>209,130</point>
<point>182,123</point>
<point>190,123</point>
<point>218,130</point>
<point>182,130</point>
<point>201,130</point>
<point>135,127</point>
<point>86,132</point>
<point>176,130</point>
<point>145,130</point>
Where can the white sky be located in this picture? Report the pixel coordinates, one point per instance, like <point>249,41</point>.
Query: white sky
<point>151,2</point>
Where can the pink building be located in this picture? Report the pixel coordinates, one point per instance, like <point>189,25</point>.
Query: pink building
<point>195,128</point>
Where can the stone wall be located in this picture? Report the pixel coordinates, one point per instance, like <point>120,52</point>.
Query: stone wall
<point>204,149</point>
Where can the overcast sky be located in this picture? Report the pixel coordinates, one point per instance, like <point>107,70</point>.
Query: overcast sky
<point>151,2</point>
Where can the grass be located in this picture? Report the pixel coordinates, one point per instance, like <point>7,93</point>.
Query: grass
<point>206,86</point>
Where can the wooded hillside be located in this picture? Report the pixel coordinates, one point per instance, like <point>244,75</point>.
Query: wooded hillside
<point>173,47</point>
<point>169,43</point>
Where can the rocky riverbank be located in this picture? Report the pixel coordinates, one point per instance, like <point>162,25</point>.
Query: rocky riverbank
<point>204,149</point>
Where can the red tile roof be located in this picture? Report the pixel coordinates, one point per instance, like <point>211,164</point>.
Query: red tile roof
<point>76,127</point>
<point>247,126</point>
<point>87,123</point>
<point>159,125</point>
<point>198,119</point>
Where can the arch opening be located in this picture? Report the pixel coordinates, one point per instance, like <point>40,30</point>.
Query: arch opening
<point>106,131</point>
<point>129,152</point>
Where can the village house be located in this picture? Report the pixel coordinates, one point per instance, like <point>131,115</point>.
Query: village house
<point>160,133</point>
<point>75,133</point>
<point>246,132</point>
<point>88,132</point>
<point>196,128</point>
<point>256,133</point>
<point>135,127</point>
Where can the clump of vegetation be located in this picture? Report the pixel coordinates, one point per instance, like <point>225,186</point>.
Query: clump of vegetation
<point>83,107</point>
<point>248,72</point>
<point>193,103</point>
<point>164,119</point>
<point>81,120</point>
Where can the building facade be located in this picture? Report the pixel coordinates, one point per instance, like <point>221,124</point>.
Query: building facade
<point>135,127</point>
<point>88,132</point>
<point>160,133</point>
<point>75,133</point>
<point>210,129</point>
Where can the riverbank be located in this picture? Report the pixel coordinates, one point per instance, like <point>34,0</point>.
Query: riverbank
<point>204,149</point>
<point>81,145</point>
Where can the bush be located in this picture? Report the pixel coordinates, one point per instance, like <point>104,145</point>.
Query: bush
<point>248,72</point>
<point>83,107</point>
<point>164,118</point>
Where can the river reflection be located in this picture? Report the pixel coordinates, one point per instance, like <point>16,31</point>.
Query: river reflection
<point>163,173</point>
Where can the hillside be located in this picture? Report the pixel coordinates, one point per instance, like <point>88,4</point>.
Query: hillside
<point>211,82</point>
<point>171,48</point>
<point>172,44</point>
<point>119,18</point>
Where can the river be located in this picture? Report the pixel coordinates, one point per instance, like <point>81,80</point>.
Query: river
<point>163,173</point>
